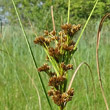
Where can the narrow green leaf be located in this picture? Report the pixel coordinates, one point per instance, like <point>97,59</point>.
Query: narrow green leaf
<point>54,64</point>
<point>31,53</point>
<point>85,25</point>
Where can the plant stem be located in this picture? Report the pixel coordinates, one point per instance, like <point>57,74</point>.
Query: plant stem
<point>31,53</point>
<point>85,25</point>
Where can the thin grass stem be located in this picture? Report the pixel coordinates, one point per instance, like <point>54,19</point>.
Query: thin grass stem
<point>74,75</point>
<point>85,25</point>
<point>33,83</point>
<point>31,53</point>
<point>97,59</point>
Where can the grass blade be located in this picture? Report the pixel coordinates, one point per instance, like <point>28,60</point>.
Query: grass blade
<point>53,62</point>
<point>52,18</point>
<point>74,75</point>
<point>40,108</point>
<point>31,53</point>
<point>97,58</point>
<point>3,51</point>
<point>85,25</point>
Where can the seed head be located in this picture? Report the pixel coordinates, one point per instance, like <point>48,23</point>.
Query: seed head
<point>66,67</point>
<point>46,33</point>
<point>70,92</point>
<point>56,81</point>
<point>53,33</point>
<point>51,92</point>
<point>41,41</point>
<point>68,48</point>
<point>45,68</point>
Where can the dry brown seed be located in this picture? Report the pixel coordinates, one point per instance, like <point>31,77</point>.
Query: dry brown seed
<point>56,81</point>
<point>66,67</point>
<point>47,40</point>
<point>40,40</point>
<point>46,33</point>
<point>57,98</point>
<point>51,51</point>
<point>45,68</point>
<point>66,26</point>
<point>64,96</point>
<point>57,92</point>
<point>54,52</point>
<point>50,93</point>
<point>70,92</point>
<point>54,38</point>
<point>68,48</point>
<point>74,29</point>
<point>53,33</point>
<point>57,51</point>
<point>69,66</point>
<point>63,66</point>
<point>60,33</point>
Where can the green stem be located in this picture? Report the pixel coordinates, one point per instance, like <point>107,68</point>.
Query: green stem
<point>85,25</point>
<point>31,53</point>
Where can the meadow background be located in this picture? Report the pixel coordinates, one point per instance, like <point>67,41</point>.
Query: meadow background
<point>16,89</point>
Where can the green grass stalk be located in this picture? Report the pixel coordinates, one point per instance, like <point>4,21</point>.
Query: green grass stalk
<point>31,53</point>
<point>85,25</point>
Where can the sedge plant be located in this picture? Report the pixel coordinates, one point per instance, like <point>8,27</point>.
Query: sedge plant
<point>59,48</point>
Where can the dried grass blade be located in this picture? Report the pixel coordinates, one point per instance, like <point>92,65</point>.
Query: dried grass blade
<point>74,75</point>
<point>52,18</point>
<point>97,58</point>
<point>40,108</point>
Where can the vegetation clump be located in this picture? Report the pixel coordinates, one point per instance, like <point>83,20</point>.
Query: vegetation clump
<point>60,49</point>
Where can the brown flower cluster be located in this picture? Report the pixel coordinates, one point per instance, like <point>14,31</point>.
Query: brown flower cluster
<point>60,48</point>
<point>61,98</point>
<point>42,41</point>
<point>66,67</point>
<point>54,52</point>
<point>70,29</point>
<point>56,81</point>
<point>46,33</point>
<point>44,68</point>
